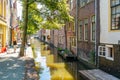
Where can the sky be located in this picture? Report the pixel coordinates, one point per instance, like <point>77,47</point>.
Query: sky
<point>19,10</point>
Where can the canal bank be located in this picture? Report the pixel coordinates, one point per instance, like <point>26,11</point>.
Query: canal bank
<point>55,61</point>
<point>72,67</point>
<point>51,66</point>
<point>78,67</point>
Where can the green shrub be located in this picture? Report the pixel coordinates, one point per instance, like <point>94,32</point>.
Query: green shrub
<point>92,56</point>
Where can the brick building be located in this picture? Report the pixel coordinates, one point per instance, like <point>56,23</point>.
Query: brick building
<point>109,48</point>
<point>70,28</point>
<point>86,31</point>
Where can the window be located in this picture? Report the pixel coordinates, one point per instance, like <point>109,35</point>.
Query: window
<point>73,41</point>
<point>4,9</point>
<point>86,29</point>
<point>84,2</point>
<point>68,27</point>
<point>73,26</point>
<point>101,51</point>
<point>109,52</point>
<point>0,8</point>
<point>71,4</point>
<point>80,30</point>
<point>93,29</point>
<point>106,51</point>
<point>115,13</point>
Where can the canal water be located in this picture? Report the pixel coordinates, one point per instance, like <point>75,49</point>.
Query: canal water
<point>52,66</point>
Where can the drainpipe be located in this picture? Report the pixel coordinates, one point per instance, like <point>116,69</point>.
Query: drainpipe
<point>65,30</point>
<point>76,26</point>
<point>97,32</point>
<point>11,16</point>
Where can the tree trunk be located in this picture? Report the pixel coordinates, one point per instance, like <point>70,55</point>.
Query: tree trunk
<point>24,28</point>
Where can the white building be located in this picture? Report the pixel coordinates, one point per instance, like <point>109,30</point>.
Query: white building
<point>109,50</point>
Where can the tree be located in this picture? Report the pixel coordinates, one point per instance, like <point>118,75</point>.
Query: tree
<point>25,5</point>
<point>52,15</point>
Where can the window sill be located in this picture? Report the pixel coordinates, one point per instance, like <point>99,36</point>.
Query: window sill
<point>92,41</point>
<point>73,46</point>
<point>101,56</point>
<point>109,58</point>
<point>86,40</point>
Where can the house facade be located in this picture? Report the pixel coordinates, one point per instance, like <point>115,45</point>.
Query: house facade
<point>14,20</point>
<point>57,38</point>
<point>70,28</point>
<point>109,48</point>
<point>61,38</point>
<point>54,37</point>
<point>3,22</point>
<point>86,31</point>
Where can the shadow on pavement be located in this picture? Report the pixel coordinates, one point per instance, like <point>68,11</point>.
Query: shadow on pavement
<point>12,68</point>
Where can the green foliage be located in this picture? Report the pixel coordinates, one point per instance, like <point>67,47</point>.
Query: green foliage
<point>51,25</point>
<point>67,51</point>
<point>34,19</point>
<point>92,56</point>
<point>56,13</point>
<point>64,51</point>
<point>51,15</point>
<point>59,49</point>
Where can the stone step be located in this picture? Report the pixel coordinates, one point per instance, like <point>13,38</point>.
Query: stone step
<point>96,74</point>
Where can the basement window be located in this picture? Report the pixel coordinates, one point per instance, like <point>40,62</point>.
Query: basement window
<point>102,51</point>
<point>109,52</point>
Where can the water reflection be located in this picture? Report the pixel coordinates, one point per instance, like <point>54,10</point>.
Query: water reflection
<point>53,68</point>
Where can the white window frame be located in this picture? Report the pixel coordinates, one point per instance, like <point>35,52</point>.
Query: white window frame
<point>73,41</point>
<point>71,4</point>
<point>73,26</point>
<point>108,52</point>
<point>80,31</point>
<point>85,22</point>
<point>101,51</point>
<point>92,21</point>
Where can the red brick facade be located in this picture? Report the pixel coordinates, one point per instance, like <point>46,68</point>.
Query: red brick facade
<point>86,48</point>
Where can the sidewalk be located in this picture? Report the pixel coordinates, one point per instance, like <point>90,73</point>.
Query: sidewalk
<point>12,67</point>
<point>10,53</point>
<point>28,53</point>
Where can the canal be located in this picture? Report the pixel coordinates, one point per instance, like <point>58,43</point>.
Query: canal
<point>52,66</point>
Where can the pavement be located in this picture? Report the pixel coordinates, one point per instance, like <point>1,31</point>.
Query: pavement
<point>12,67</point>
